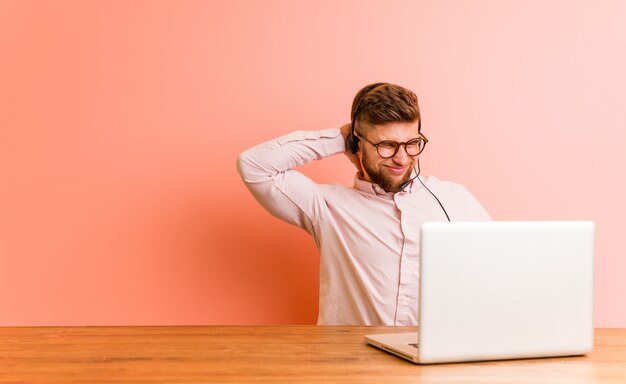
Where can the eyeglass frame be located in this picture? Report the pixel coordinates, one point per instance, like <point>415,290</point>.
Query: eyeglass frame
<point>396,144</point>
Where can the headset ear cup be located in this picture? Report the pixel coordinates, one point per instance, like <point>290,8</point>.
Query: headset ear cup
<point>352,143</point>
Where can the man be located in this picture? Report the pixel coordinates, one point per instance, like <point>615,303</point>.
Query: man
<point>368,235</point>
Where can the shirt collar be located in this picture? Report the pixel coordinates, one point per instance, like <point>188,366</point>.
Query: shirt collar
<point>375,189</point>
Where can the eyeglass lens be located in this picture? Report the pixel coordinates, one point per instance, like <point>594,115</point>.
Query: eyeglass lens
<point>390,148</point>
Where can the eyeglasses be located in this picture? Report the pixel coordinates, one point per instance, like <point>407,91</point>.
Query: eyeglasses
<point>387,149</point>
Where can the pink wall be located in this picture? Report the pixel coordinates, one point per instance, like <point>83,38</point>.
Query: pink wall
<point>120,122</point>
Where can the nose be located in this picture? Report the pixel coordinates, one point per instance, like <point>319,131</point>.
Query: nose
<point>401,157</point>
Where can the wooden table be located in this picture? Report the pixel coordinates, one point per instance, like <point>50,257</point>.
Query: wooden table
<point>285,354</point>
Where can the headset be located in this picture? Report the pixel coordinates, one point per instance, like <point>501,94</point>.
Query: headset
<point>352,143</point>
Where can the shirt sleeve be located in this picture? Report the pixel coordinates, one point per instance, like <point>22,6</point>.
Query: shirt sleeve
<point>473,209</point>
<point>268,172</point>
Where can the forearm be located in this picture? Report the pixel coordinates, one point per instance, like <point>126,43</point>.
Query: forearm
<point>287,152</point>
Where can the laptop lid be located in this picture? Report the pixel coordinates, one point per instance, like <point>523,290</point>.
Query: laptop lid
<point>501,290</point>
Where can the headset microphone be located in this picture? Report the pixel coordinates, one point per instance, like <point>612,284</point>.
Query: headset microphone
<point>406,183</point>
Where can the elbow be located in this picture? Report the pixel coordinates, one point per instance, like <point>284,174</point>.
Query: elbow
<point>253,168</point>
<point>248,168</point>
<point>243,165</point>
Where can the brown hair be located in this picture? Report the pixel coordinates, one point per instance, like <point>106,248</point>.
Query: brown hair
<point>381,103</point>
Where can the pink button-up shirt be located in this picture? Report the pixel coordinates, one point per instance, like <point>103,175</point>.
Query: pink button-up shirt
<point>368,239</point>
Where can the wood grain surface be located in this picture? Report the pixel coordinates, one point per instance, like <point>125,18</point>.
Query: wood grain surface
<point>268,354</point>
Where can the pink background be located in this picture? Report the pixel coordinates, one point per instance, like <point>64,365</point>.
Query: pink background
<point>120,123</point>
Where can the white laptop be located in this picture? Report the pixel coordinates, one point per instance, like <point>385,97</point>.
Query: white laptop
<point>501,290</point>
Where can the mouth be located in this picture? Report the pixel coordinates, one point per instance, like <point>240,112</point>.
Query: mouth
<point>397,170</point>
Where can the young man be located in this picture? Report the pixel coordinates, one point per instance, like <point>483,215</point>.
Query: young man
<point>368,235</point>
